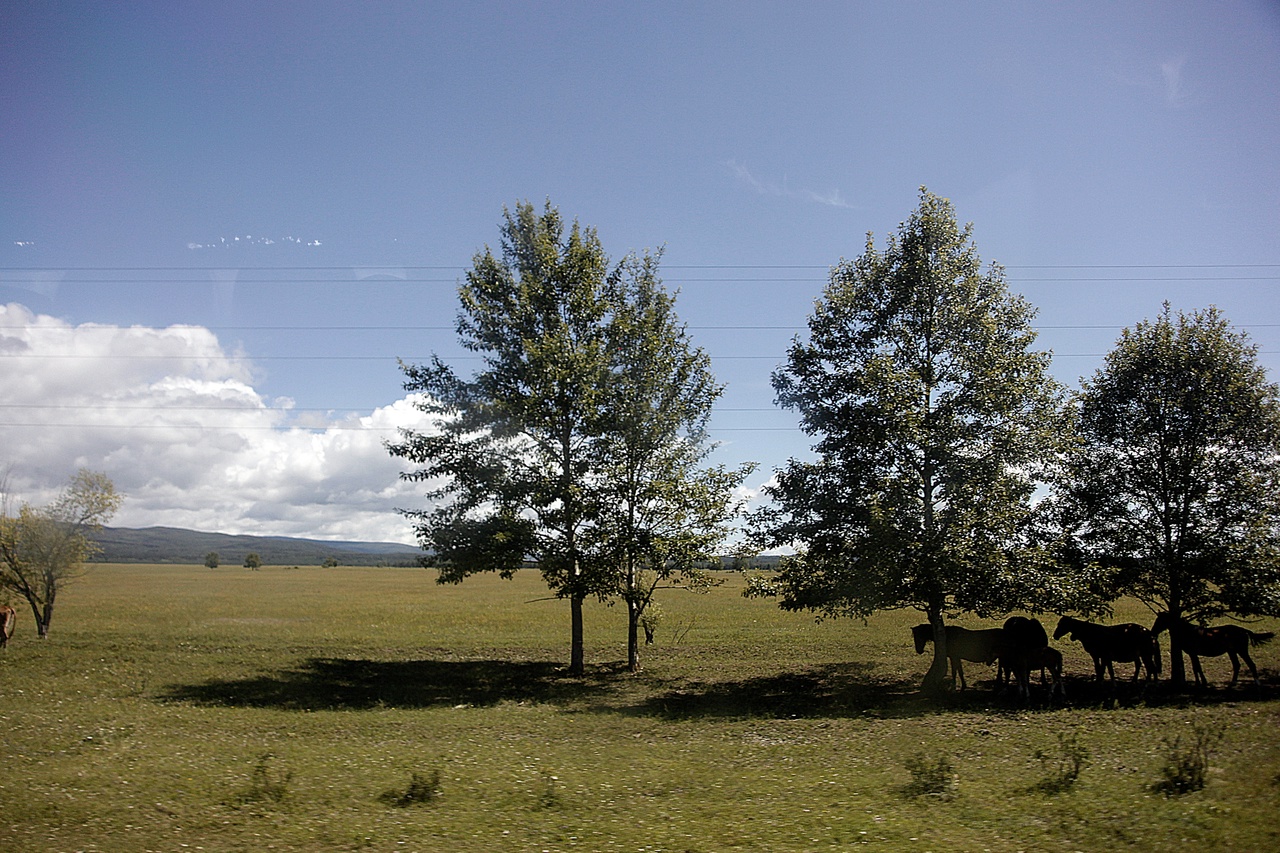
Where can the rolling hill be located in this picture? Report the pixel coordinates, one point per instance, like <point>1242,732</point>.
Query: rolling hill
<point>173,545</point>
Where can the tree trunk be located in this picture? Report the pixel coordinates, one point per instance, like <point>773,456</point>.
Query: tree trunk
<point>1177,668</point>
<point>935,680</point>
<point>43,618</point>
<point>633,636</point>
<point>577,656</point>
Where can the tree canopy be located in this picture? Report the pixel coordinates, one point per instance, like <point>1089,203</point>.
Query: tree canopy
<point>932,413</point>
<point>1175,486</point>
<point>42,549</point>
<point>575,448</point>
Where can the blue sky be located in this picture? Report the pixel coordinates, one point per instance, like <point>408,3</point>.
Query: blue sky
<point>1110,155</point>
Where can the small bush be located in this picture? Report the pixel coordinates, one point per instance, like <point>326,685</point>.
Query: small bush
<point>933,778</point>
<point>1062,768</point>
<point>422,789</point>
<point>549,796</point>
<point>262,787</point>
<point>1186,768</point>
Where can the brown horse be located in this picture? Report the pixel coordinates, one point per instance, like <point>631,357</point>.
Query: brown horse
<point>8,616</point>
<point>980,646</point>
<point>1196,641</point>
<point>1107,644</point>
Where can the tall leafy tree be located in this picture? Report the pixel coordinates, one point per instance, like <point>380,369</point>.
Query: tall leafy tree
<point>574,447</point>
<point>932,413</point>
<point>42,549</point>
<point>665,513</point>
<point>1176,483</point>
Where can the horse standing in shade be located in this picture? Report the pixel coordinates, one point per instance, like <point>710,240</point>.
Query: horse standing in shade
<point>963,644</point>
<point>1231,640</point>
<point>1023,643</point>
<point>1049,662</point>
<point>1107,644</point>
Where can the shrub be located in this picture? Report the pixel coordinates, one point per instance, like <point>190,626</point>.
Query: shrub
<point>549,796</point>
<point>1186,768</point>
<point>1062,768</point>
<point>262,787</point>
<point>934,778</point>
<point>422,789</point>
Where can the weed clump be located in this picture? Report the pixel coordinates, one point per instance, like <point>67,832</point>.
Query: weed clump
<point>263,788</point>
<point>1062,767</point>
<point>422,789</point>
<point>1186,768</point>
<point>930,777</point>
<point>549,795</point>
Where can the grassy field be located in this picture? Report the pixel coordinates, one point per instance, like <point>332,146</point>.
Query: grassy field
<point>176,708</point>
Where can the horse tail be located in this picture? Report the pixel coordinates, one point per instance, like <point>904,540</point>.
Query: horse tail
<point>1258,638</point>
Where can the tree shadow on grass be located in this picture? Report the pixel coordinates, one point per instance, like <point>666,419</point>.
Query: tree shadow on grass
<point>343,684</point>
<point>834,691</point>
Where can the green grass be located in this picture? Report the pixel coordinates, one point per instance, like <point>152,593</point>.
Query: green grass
<point>176,708</point>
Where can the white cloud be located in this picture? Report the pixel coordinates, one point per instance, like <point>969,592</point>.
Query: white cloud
<point>1166,79</point>
<point>1174,91</point>
<point>830,198</point>
<point>174,420</point>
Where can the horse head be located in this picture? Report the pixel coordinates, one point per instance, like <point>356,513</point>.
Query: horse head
<point>1164,621</point>
<point>1065,625</point>
<point>922,634</point>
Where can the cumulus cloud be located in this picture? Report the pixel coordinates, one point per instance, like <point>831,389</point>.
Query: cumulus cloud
<point>744,176</point>
<point>173,418</point>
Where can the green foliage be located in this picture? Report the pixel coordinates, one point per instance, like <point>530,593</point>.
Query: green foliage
<point>930,777</point>
<point>211,560</point>
<point>252,561</point>
<point>1063,766</point>
<point>933,417</point>
<point>578,446</point>
<point>1186,766</point>
<point>1174,489</point>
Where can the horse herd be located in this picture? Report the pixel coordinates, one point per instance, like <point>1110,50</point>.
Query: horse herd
<point>1021,646</point>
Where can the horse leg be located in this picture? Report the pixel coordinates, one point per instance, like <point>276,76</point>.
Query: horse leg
<point>1253,669</point>
<point>1197,671</point>
<point>957,669</point>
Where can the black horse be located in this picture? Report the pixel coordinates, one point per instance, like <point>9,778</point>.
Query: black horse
<point>1023,644</point>
<point>1231,640</point>
<point>1107,644</point>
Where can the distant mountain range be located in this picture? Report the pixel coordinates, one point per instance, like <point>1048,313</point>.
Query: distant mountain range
<point>172,545</point>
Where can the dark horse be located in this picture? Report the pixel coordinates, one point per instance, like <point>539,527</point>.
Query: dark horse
<point>980,646</point>
<point>1107,644</point>
<point>1196,641</point>
<point>1022,649</point>
<point>1049,662</point>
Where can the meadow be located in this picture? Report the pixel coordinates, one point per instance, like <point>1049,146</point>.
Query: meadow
<point>174,708</point>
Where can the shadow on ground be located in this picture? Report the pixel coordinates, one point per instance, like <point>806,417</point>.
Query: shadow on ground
<point>340,684</point>
<point>835,690</point>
